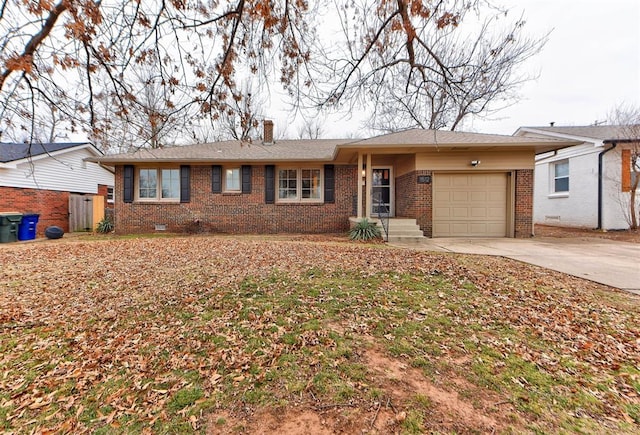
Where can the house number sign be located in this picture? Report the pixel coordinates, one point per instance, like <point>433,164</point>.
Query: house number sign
<point>424,179</point>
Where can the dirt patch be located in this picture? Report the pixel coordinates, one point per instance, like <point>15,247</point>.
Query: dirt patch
<point>290,422</point>
<point>449,411</point>
<point>401,385</point>
<point>632,236</point>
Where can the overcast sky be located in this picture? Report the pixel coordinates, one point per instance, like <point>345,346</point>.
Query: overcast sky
<point>590,64</point>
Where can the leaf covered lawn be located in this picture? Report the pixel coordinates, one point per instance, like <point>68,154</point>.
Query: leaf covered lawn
<point>215,334</point>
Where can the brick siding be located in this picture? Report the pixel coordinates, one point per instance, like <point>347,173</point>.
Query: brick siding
<point>51,205</point>
<point>524,203</point>
<point>248,213</point>
<point>237,213</point>
<point>414,200</point>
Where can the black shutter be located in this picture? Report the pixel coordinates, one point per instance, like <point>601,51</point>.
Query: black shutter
<point>216,179</point>
<point>185,183</point>
<point>269,184</point>
<point>246,179</point>
<point>127,194</point>
<point>329,184</point>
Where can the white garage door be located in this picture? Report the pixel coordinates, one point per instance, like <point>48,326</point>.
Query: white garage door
<point>470,205</point>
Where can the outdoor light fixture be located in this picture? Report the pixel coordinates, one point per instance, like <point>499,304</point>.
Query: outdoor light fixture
<point>475,163</point>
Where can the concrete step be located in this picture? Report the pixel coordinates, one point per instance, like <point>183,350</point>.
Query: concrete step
<point>415,232</point>
<point>405,239</point>
<point>404,230</point>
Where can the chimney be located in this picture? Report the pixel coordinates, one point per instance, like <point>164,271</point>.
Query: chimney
<point>267,137</point>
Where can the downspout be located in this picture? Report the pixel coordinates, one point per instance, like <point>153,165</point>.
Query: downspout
<point>600,183</point>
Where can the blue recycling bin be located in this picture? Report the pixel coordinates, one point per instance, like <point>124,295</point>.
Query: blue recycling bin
<point>27,228</point>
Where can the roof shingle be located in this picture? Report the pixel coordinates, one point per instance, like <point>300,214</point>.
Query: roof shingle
<point>10,152</point>
<point>600,132</point>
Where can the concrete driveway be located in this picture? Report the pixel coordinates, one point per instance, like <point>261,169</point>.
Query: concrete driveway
<point>609,262</point>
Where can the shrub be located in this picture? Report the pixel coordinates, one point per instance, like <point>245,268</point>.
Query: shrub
<point>365,230</point>
<point>105,226</point>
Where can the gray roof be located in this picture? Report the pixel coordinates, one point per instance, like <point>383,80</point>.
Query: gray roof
<point>233,150</point>
<point>422,137</point>
<point>10,152</point>
<point>600,132</point>
<point>323,149</point>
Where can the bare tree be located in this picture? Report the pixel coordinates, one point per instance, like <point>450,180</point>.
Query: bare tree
<point>240,118</point>
<point>428,65</point>
<point>628,118</point>
<point>79,54</point>
<point>311,128</point>
<point>72,52</point>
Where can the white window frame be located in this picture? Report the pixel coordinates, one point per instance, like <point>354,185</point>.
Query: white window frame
<point>298,198</point>
<point>554,177</point>
<point>226,188</point>
<point>111,195</point>
<point>158,196</point>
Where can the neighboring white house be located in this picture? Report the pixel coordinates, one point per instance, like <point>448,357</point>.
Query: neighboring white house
<point>40,178</point>
<point>586,185</point>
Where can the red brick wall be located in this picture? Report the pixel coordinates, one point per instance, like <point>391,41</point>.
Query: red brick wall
<point>102,190</point>
<point>414,201</point>
<point>51,205</point>
<point>524,203</point>
<point>238,213</point>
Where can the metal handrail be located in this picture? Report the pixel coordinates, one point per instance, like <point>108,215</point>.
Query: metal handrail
<point>383,214</point>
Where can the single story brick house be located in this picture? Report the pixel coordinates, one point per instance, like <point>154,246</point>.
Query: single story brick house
<point>42,177</point>
<point>446,183</point>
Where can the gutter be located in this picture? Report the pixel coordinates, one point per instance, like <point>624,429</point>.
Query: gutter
<point>600,183</point>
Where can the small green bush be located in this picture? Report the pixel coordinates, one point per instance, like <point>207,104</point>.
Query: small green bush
<point>365,230</point>
<point>105,226</point>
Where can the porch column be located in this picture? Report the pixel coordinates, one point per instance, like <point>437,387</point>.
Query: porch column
<point>359,203</point>
<point>369,180</point>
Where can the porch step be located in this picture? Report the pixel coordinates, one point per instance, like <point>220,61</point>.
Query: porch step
<point>403,230</point>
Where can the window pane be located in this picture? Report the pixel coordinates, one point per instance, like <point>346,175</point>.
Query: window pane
<point>232,179</point>
<point>287,184</point>
<point>561,177</point>
<point>311,184</point>
<point>171,183</point>
<point>148,183</point>
<point>562,184</point>
<point>562,169</point>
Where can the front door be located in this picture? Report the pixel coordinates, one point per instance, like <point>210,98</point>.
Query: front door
<point>381,191</point>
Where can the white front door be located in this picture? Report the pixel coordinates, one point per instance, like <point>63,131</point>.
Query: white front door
<point>382,191</point>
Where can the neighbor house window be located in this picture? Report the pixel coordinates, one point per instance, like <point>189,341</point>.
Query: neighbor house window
<point>300,184</point>
<point>561,176</point>
<point>232,180</point>
<point>159,184</point>
<point>109,194</point>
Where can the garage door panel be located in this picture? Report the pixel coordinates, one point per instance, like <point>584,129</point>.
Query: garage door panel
<point>470,205</point>
<point>478,212</point>
<point>478,196</point>
<point>496,213</point>
<point>499,197</point>
<point>460,196</point>
<point>460,212</point>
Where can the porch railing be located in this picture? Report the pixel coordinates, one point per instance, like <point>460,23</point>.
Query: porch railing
<point>383,213</point>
